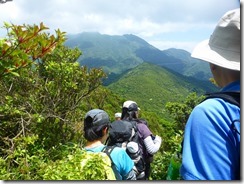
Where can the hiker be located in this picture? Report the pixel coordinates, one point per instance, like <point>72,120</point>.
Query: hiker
<point>211,147</point>
<point>96,125</point>
<point>117,116</point>
<point>150,144</point>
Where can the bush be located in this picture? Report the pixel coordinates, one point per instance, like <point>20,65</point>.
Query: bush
<point>80,165</point>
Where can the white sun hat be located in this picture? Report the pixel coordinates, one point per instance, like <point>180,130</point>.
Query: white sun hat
<point>224,46</point>
<point>117,115</point>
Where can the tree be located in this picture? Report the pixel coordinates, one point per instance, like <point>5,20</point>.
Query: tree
<point>180,111</point>
<point>24,45</point>
<point>45,96</point>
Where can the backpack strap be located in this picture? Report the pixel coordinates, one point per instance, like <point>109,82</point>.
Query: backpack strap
<point>232,97</point>
<point>134,130</point>
<point>108,150</point>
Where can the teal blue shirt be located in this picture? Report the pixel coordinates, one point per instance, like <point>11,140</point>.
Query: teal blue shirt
<point>211,149</point>
<point>122,161</point>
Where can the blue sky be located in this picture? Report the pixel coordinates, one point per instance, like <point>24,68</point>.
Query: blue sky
<point>162,23</point>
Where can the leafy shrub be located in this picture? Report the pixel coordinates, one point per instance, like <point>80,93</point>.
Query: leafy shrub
<point>80,165</point>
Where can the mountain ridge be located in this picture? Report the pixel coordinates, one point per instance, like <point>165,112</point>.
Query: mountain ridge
<point>116,54</point>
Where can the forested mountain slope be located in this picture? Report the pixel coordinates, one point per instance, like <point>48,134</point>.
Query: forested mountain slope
<point>152,86</point>
<point>116,54</point>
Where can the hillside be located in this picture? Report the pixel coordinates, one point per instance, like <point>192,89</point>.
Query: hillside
<point>192,67</point>
<point>112,53</point>
<point>152,86</point>
<point>117,54</point>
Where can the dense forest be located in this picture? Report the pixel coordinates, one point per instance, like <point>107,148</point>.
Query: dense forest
<point>45,93</point>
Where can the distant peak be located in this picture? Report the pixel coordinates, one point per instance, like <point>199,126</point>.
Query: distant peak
<point>177,50</point>
<point>134,38</point>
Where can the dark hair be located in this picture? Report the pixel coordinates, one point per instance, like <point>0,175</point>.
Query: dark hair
<point>94,133</point>
<point>128,115</point>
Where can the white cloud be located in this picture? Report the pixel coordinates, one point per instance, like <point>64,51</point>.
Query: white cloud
<point>168,21</point>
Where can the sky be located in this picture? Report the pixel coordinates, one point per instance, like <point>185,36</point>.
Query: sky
<point>162,23</point>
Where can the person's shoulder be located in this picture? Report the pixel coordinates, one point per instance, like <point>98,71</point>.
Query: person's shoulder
<point>205,107</point>
<point>213,107</point>
<point>143,121</point>
<point>141,126</point>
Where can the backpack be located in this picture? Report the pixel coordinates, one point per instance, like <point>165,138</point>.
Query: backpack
<point>173,172</point>
<point>123,133</point>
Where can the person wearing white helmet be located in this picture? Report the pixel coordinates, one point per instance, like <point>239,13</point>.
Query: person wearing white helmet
<point>211,146</point>
<point>150,144</point>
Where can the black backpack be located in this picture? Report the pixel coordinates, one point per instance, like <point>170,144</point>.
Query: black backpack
<point>122,132</point>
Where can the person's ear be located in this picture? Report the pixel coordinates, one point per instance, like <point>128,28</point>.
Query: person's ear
<point>105,130</point>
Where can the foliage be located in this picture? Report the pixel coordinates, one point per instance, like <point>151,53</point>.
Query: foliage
<point>23,159</point>
<point>78,165</point>
<point>45,93</point>
<point>42,106</point>
<point>47,98</point>
<point>181,111</point>
<point>25,44</point>
<point>161,161</point>
<point>152,87</point>
<point>173,134</point>
<point>27,161</point>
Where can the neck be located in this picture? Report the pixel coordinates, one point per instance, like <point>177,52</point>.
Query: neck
<point>229,76</point>
<point>93,144</point>
<point>224,76</point>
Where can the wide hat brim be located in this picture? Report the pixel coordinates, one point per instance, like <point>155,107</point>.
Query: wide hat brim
<point>224,45</point>
<point>220,57</point>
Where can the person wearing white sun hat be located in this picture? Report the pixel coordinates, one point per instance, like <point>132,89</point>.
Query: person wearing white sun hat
<point>117,115</point>
<point>211,146</point>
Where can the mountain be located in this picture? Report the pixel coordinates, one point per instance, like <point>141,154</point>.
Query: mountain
<point>138,71</point>
<point>192,67</point>
<point>112,53</point>
<point>117,54</point>
<point>152,86</point>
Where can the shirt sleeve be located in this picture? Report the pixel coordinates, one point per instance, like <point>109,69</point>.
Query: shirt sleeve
<point>144,131</point>
<point>209,148</point>
<point>152,146</point>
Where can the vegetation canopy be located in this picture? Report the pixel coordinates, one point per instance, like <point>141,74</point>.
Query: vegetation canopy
<point>44,95</point>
